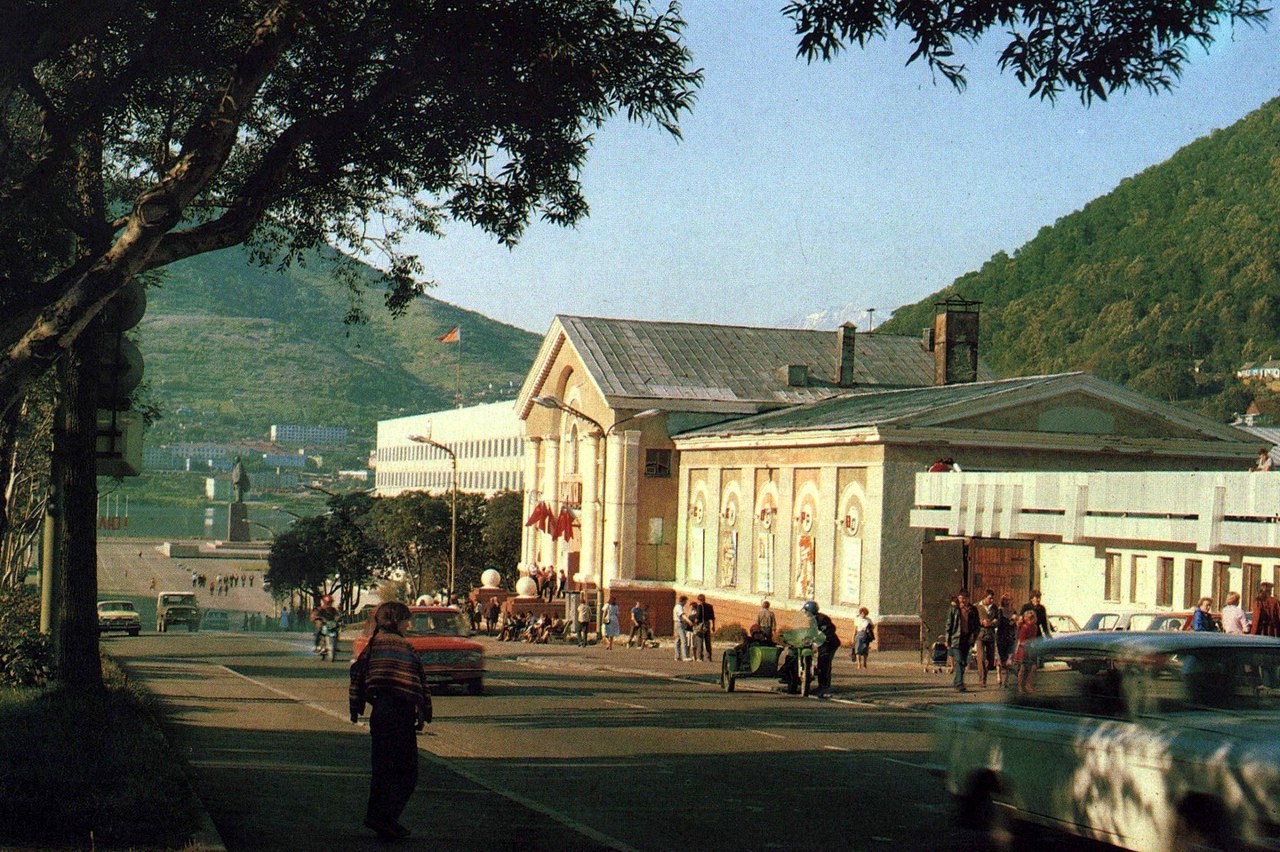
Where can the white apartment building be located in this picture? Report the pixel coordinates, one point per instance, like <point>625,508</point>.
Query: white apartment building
<point>487,439</point>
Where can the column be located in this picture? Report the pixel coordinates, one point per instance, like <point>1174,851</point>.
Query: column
<point>590,559</point>
<point>628,499</point>
<point>550,493</point>
<point>528,535</point>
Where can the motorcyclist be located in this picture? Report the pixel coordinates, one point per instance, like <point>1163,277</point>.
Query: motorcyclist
<point>325,611</point>
<point>826,650</point>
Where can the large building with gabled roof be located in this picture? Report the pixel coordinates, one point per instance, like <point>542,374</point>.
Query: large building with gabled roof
<point>755,462</point>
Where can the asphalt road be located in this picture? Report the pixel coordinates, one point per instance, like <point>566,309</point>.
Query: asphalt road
<point>562,752</point>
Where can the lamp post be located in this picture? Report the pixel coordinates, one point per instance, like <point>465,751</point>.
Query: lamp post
<point>558,404</point>
<point>453,508</point>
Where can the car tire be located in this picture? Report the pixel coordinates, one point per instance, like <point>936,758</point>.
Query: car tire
<point>1201,824</point>
<point>135,632</point>
<point>975,809</point>
<point>475,687</point>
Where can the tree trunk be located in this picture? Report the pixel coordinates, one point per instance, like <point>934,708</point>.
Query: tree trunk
<point>79,666</point>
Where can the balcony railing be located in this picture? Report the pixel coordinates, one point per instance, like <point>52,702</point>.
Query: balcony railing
<point>1209,511</point>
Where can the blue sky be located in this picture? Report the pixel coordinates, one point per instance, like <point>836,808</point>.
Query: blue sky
<point>857,183</point>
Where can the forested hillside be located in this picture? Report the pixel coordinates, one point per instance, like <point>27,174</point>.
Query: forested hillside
<point>231,348</point>
<point>1176,268</point>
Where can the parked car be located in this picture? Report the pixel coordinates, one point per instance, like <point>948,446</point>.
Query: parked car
<point>441,636</point>
<point>177,608</point>
<point>1116,620</point>
<point>118,615</point>
<point>1145,740</point>
<point>216,619</point>
<point>1063,624</point>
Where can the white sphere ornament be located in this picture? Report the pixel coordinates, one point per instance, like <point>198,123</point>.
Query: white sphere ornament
<point>526,587</point>
<point>490,579</point>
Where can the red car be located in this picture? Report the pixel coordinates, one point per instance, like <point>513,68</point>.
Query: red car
<point>442,637</point>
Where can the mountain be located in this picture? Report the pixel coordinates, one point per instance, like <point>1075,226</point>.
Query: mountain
<point>1166,284</point>
<point>231,347</point>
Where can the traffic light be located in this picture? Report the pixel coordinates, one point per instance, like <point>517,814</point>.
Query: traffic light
<point>117,374</point>
<point>119,369</point>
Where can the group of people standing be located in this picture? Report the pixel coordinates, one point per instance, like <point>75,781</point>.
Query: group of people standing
<point>695,622</point>
<point>996,633</point>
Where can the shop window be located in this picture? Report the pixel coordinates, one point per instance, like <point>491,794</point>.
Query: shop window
<point>1111,584</point>
<point>1252,578</point>
<point>1221,581</point>
<point>1164,581</point>
<point>657,464</point>
<point>1191,583</point>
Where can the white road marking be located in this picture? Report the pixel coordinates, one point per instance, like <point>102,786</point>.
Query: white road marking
<point>767,734</point>
<point>630,705</point>
<point>567,821</point>
<point>835,748</point>
<point>924,766</point>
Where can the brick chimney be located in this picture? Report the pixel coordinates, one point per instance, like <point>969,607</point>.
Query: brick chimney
<point>955,341</point>
<point>845,336</point>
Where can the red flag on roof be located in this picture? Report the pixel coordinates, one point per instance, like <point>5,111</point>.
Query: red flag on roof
<point>454,335</point>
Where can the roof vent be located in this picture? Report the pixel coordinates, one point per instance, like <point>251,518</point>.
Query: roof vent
<point>795,375</point>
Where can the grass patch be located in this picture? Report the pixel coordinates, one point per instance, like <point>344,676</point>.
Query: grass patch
<point>89,771</point>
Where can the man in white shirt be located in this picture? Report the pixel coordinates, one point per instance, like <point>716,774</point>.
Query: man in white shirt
<point>682,629</point>
<point>1233,616</point>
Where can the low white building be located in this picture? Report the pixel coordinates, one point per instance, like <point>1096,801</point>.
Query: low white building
<point>1152,541</point>
<point>487,439</point>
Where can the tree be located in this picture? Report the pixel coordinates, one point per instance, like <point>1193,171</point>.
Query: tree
<point>1093,48</point>
<point>300,557</point>
<point>136,134</point>
<point>503,525</point>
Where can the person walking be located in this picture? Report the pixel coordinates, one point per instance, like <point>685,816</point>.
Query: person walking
<point>1042,616</point>
<point>639,626</point>
<point>1006,639</point>
<point>1027,630</point>
<point>707,626</point>
<point>694,616</point>
<point>988,620</point>
<point>767,621</point>
<point>864,634</point>
<point>681,627</point>
<point>612,623</point>
<point>962,631</point>
<point>388,675</point>
<point>1233,619</point>
<point>1266,613</point>
<point>584,621</point>
<point>1202,620</point>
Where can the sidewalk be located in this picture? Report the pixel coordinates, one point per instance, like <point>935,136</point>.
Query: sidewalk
<point>894,679</point>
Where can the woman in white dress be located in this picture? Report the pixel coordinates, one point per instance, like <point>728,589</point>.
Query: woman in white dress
<point>612,622</point>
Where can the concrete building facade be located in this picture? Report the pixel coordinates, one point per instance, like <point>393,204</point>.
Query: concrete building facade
<point>488,440</point>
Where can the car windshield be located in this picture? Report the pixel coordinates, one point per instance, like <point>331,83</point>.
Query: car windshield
<point>177,600</point>
<point>1213,678</point>
<point>118,606</point>
<point>439,623</point>
<point>1102,621</point>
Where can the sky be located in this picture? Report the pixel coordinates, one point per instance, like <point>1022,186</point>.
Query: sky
<point>835,186</point>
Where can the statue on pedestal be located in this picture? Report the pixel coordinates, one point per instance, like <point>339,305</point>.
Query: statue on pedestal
<point>239,481</point>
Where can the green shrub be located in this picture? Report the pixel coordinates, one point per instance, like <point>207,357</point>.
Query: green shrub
<point>730,633</point>
<point>26,658</point>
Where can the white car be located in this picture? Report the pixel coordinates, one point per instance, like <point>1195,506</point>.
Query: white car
<point>118,615</point>
<point>1149,741</point>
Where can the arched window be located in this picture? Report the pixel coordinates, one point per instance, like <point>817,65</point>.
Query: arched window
<point>571,461</point>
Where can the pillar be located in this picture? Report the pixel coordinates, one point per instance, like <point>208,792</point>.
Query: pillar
<point>550,493</point>
<point>590,544</point>
<point>528,535</point>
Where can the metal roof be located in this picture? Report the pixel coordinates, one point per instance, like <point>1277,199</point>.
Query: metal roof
<point>736,364</point>
<point>872,407</point>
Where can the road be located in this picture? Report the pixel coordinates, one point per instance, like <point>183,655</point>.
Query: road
<point>563,751</point>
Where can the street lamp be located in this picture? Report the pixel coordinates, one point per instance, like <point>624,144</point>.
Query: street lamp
<point>453,509</point>
<point>558,404</point>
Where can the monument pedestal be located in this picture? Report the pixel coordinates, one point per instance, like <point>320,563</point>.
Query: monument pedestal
<point>238,522</point>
